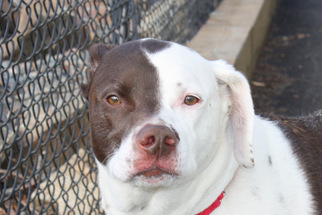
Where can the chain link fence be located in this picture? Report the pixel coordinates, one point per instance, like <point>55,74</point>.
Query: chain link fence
<point>46,165</point>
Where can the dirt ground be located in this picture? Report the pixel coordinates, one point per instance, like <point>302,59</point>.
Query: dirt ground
<point>288,77</point>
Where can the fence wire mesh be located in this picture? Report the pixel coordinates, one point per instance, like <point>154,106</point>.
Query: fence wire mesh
<point>46,165</point>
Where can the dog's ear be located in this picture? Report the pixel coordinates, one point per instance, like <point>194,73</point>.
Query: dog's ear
<point>96,53</point>
<point>241,111</point>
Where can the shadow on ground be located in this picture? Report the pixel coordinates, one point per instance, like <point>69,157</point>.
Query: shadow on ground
<point>288,77</point>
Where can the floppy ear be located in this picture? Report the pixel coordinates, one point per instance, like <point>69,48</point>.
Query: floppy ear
<point>96,53</point>
<point>241,110</point>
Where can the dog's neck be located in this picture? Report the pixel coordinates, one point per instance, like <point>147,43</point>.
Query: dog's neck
<point>186,197</point>
<point>212,185</point>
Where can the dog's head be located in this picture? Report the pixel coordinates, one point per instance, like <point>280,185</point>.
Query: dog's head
<point>159,111</point>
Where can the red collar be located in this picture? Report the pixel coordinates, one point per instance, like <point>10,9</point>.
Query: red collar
<point>213,206</point>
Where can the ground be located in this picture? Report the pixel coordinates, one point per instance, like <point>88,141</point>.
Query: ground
<point>288,77</point>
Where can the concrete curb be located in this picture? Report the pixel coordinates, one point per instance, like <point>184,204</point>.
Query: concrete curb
<point>235,32</point>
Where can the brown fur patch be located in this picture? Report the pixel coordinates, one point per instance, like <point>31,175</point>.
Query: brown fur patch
<point>305,134</point>
<point>125,72</point>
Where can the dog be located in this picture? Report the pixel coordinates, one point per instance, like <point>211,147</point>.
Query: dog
<point>174,133</point>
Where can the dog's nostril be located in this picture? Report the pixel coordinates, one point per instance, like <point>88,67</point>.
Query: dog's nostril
<point>146,141</point>
<point>149,141</point>
<point>170,141</point>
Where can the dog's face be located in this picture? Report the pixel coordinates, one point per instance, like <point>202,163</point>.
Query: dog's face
<point>158,111</point>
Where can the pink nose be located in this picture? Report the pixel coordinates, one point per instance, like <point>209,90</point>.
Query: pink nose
<point>157,139</point>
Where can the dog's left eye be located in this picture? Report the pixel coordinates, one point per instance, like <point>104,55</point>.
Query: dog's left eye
<point>191,100</point>
<point>113,100</point>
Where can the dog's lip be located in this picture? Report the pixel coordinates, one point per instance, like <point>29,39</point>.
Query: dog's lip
<point>155,172</point>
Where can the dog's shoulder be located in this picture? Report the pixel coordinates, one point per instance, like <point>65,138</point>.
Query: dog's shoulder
<point>305,132</point>
<point>305,135</point>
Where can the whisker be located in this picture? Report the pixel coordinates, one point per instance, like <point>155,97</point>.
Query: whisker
<point>110,154</point>
<point>108,157</point>
<point>115,144</point>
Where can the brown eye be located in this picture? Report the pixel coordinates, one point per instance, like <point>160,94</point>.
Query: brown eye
<point>113,100</point>
<point>191,100</point>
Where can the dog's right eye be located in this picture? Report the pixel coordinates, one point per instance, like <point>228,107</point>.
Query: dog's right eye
<point>191,100</point>
<point>113,100</point>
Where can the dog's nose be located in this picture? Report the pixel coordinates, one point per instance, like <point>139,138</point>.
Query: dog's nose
<point>157,139</point>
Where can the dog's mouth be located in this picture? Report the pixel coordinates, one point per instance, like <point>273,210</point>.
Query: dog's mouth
<point>155,177</point>
<point>155,172</point>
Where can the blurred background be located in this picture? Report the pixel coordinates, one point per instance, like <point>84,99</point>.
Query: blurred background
<point>288,77</point>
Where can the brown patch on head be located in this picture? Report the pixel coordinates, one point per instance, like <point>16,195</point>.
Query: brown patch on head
<point>96,53</point>
<point>125,72</point>
<point>305,134</point>
<point>153,46</point>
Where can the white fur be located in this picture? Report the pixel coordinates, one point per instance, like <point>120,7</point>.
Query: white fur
<point>217,137</point>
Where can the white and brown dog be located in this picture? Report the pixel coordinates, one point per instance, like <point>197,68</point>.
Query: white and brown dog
<point>172,131</point>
